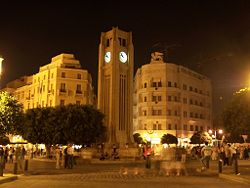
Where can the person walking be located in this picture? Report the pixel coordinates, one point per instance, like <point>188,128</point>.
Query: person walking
<point>206,152</point>
<point>58,155</point>
<point>19,158</point>
<point>70,156</point>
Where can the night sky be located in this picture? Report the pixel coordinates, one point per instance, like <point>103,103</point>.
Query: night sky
<point>211,37</point>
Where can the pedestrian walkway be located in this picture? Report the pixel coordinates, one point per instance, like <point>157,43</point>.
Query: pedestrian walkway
<point>124,169</point>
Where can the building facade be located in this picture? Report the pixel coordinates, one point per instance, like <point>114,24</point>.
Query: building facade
<point>172,99</point>
<point>61,82</point>
<point>115,84</point>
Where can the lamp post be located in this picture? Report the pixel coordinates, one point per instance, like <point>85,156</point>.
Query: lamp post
<point>217,131</point>
<point>1,60</point>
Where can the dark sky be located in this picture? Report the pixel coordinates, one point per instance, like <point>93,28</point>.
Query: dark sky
<point>211,37</point>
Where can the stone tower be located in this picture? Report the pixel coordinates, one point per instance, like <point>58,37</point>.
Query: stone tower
<point>115,84</point>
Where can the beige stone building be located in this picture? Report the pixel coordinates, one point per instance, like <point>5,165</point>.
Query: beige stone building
<point>170,98</point>
<point>60,82</point>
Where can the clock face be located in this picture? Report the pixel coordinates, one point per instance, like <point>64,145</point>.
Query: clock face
<point>123,57</point>
<point>107,57</point>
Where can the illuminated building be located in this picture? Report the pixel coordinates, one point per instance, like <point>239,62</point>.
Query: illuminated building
<point>170,98</point>
<point>61,82</point>
<point>115,84</point>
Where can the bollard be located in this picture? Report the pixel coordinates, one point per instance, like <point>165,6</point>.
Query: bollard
<point>1,168</point>
<point>220,165</point>
<point>15,168</point>
<point>148,162</point>
<point>236,166</point>
<point>26,165</point>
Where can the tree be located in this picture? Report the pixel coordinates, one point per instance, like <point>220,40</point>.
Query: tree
<point>84,124</point>
<point>169,139</point>
<point>200,137</point>
<point>10,114</point>
<point>236,116</point>
<point>138,139</point>
<point>4,140</point>
<point>77,124</point>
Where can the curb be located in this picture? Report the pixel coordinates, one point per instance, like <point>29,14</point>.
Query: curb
<point>235,178</point>
<point>8,179</point>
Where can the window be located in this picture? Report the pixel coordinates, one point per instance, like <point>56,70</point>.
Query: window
<point>201,128</point>
<point>201,104</point>
<point>175,84</point>
<point>154,127</point>
<point>144,112</point>
<point>63,75</point>
<point>196,102</point>
<point>185,114</point>
<point>191,114</point>
<point>175,98</point>
<point>159,84</point>
<point>201,116</point>
<point>169,127</point>
<point>123,42</point>
<point>185,127</point>
<point>79,76</point>
<point>169,84</point>
<point>159,98</point>
<point>62,102</point>
<point>196,128</point>
<point>185,100</point>
<point>43,88</point>
<point>191,128</point>
<point>107,43</point>
<point>154,84</point>
<point>50,103</point>
<point>190,88</point>
<point>145,99</point>
<point>195,90</point>
<point>44,77</point>
<point>154,112</point>
<point>159,126</point>
<point>196,115</point>
<point>120,41</point>
<point>159,112</point>
<point>175,127</point>
<point>176,113</point>
<point>145,85</point>
<point>169,98</point>
<point>169,112</point>
<point>78,88</point>
<point>190,101</point>
<point>63,87</point>
<point>154,98</point>
<point>52,75</point>
<point>184,87</point>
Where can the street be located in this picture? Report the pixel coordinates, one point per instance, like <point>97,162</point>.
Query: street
<point>114,180</point>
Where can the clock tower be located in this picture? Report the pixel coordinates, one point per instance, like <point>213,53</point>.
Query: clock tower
<point>115,84</point>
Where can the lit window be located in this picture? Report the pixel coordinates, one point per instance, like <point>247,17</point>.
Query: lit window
<point>169,127</point>
<point>62,102</point>
<point>79,76</point>
<point>63,75</point>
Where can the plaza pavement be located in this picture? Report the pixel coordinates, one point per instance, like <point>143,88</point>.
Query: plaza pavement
<point>128,170</point>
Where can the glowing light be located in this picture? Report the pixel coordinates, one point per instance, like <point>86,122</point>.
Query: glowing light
<point>1,60</point>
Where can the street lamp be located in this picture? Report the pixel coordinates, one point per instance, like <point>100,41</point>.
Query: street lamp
<point>1,60</point>
<point>217,131</point>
